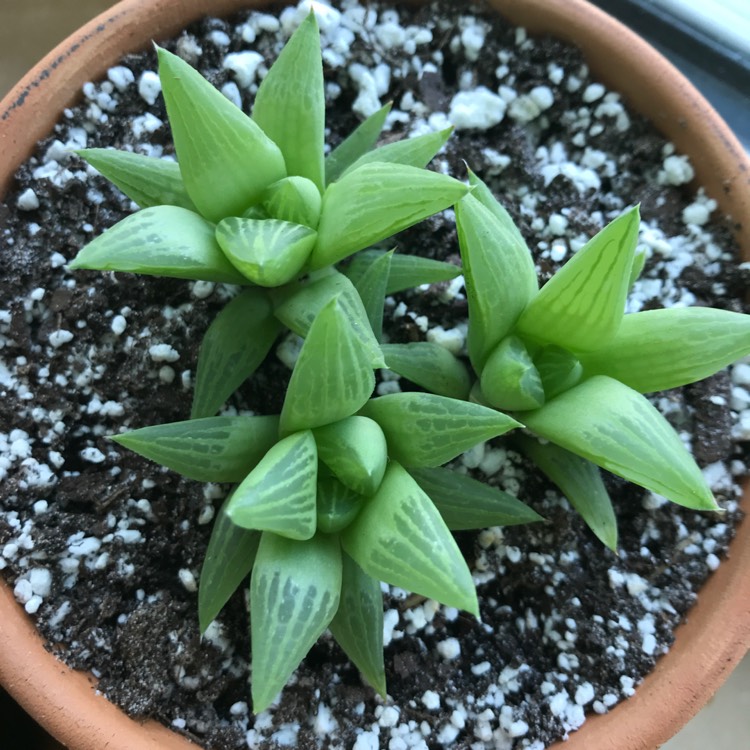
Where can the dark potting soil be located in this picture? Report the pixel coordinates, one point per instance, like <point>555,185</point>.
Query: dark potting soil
<point>104,548</point>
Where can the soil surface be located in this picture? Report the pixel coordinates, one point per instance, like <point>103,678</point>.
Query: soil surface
<point>105,548</point>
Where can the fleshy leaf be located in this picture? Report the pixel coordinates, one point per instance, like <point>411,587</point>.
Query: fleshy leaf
<point>160,241</point>
<point>639,262</point>
<point>406,272</point>
<point>300,302</point>
<point>499,274</point>
<point>225,159</point>
<point>400,538</point>
<point>418,151</point>
<point>229,559</point>
<point>618,429</point>
<point>430,366</point>
<point>236,342</point>
<point>214,449</point>
<point>659,349</point>
<point>355,450</point>
<point>358,624</point>
<point>465,503</point>
<point>581,482</point>
<point>279,494</point>
<point>509,378</point>
<point>332,378</point>
<point>338,505</point>
<point>371,286</point>
<point>294,199</point>
<point>359,142</point>
<point>377,201</point>
<point>290,104</point>
<point>424,430</point>
<point>146,180</point>
<point>581,307</point>
<point>558,369</point>
<point>268,252</point>
<point>294,594</point>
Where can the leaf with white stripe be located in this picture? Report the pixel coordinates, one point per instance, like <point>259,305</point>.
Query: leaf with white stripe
<point>279,494</point>
<point>424,430</point>
<point>376,201</point>
<point>371,287</point>
<point>269,252</point>
<point>228,561</point>
<point>226,160</point>
<point>160,241</point>
<point>400,538</point>
<point>298,304</point>
<point>290,103</point>
<point>618,429</point>
<point>581,482</point>
<point>358,624</point>
<point>499,274</point>
<point>214,449</point>
<point>294,594</point>
<point>430,366</point>
<point>146,180</point>
<point>582,306</point>
<point>355,450</point>
<point>332,378</point>
<point>236,342</point>
<point>659,349</point>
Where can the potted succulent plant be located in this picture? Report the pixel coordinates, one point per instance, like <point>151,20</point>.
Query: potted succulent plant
<point>334,322</point>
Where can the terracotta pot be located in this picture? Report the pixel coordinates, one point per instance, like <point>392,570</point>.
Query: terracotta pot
<point>717,634</point>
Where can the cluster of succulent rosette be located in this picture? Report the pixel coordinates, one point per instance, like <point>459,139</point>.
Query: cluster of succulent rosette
<point>342,490</point>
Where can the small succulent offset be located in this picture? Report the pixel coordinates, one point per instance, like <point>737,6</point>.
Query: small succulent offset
<point>568,363</point>
<point>335,494</point>
<point>254,201</point>
<point>339,491</point>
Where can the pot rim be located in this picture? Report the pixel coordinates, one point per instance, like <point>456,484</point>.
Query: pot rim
<point>717,633</point>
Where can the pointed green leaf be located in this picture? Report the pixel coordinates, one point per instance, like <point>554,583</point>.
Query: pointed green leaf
<point>338,505</point>
<point>499,273</point>
<point>294,594</point>
<point>581,307</point>
<point>290,104</point>
<point>465,503</point>
<point>268,252</point>
<point>214,449</point>
<point>229,559</point>
<point>300,302</point>
<point>375,202</point>
<point>425,430</point>
<point>509,378</point>
<point>371,286</point>
<point>236,342</point>
<point>400,538</point>
<point>558,369</point>
<point>660,349</point>
<point>355,450</point>
<point>359,142</point>
<point>639,262</point>
<point>295,199</point>
<point>430,366</point>
<point>418,151</point>
<point>581,482</point>
<point>160,241</point>
<point>332,378</point>
<point>358,624</point>
<point>279,494</point>
<point>406,272</point>
<point>225,159</point>
<point>144,179</point>
<point>618,429</point>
